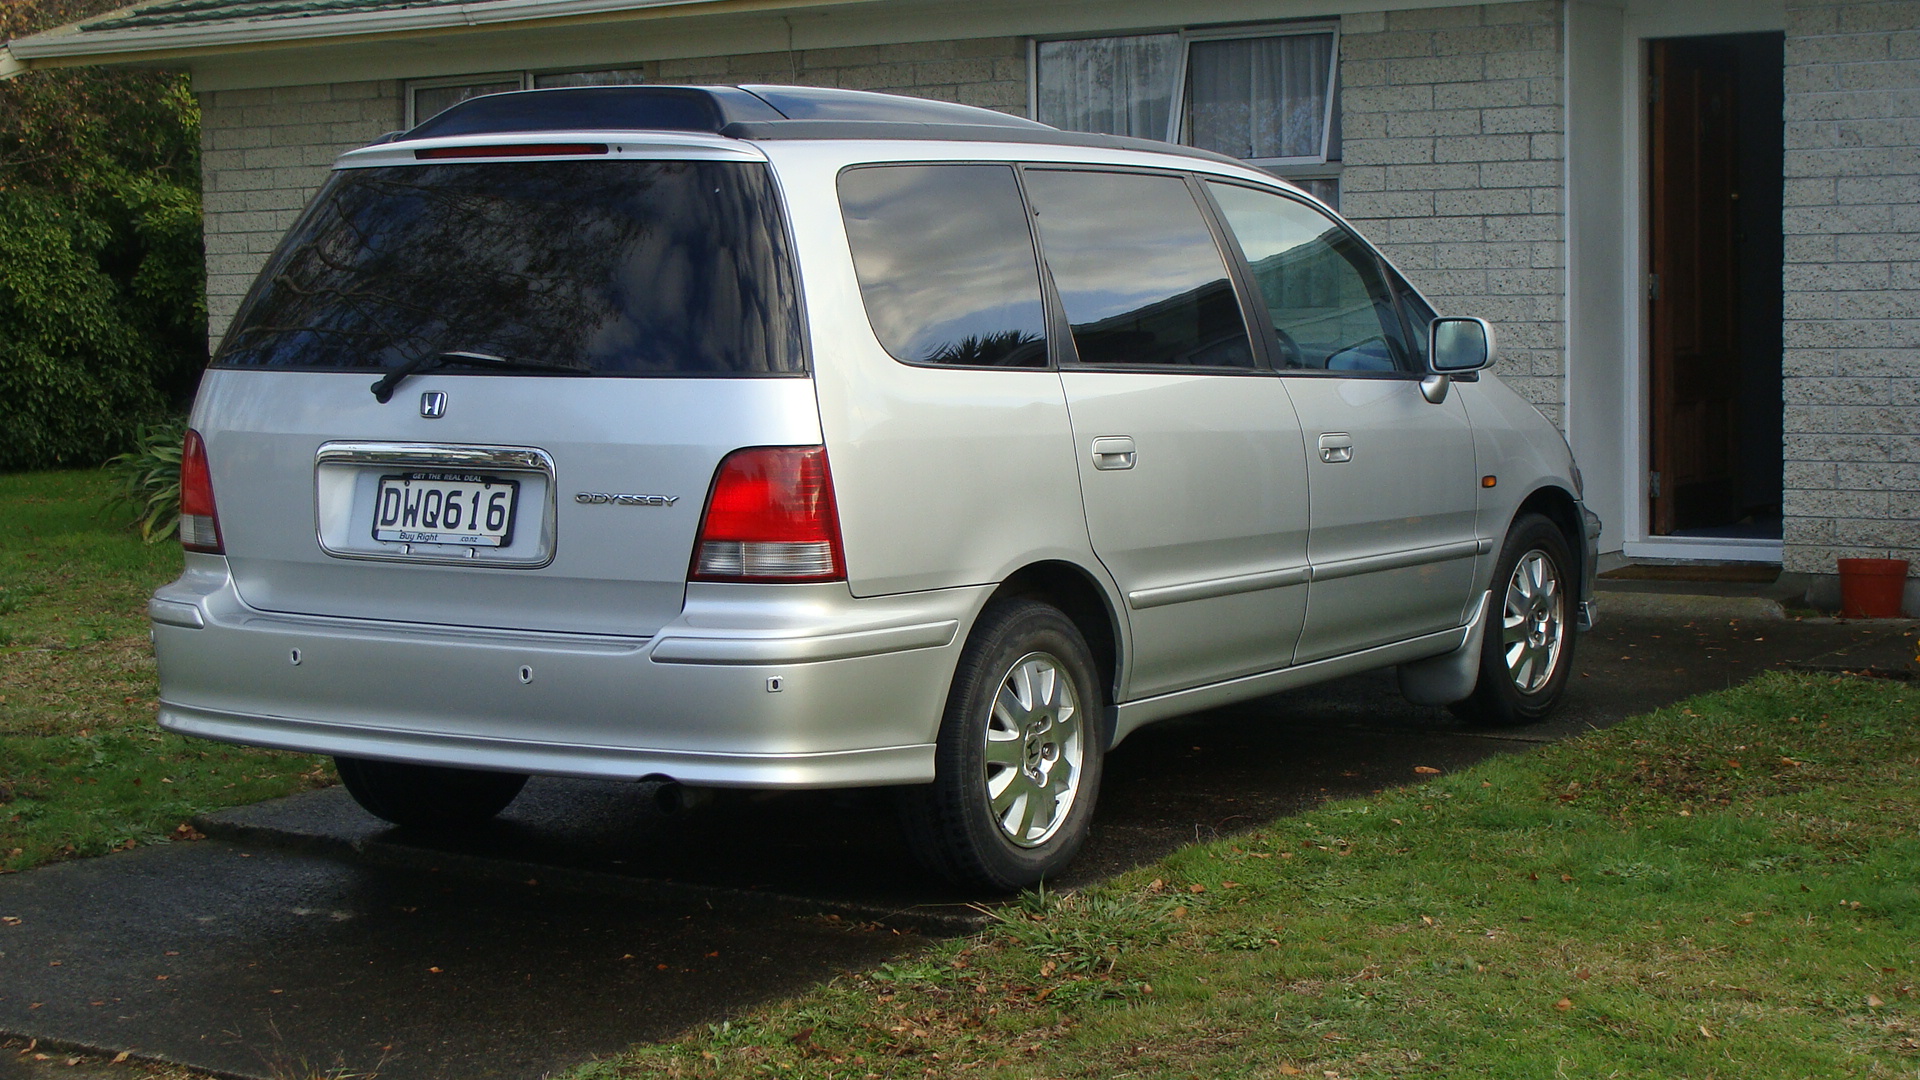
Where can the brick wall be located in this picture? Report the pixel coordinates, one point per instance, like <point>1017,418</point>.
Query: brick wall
<point>265,151</point>
<point>1852,225</point>
<point>1453,146</point>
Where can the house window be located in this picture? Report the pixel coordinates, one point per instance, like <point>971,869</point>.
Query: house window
<point>427,98</point>
<point>1267,96</point>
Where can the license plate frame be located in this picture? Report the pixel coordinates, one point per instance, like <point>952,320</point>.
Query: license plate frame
<point>474,493</point>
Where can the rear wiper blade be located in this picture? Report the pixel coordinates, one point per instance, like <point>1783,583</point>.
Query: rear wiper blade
<point>383,389</point>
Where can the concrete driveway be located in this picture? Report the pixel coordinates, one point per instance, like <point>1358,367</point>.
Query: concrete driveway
<point>305,935</point>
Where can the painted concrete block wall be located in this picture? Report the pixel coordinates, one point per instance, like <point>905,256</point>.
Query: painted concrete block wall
<point>1453,126</point>
<point>266,151</point>
<point>1852,224</point>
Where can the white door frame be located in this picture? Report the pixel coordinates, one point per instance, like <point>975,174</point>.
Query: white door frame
<point>1607,256</point>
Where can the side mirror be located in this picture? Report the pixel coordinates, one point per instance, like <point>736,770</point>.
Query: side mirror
<point>1459,343</point>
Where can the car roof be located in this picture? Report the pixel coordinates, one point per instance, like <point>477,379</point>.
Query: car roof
<point>755,113</point>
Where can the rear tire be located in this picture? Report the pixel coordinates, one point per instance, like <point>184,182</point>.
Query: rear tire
<point>1018,765</point>
<point>431,796</point>
<point>1527,651</point>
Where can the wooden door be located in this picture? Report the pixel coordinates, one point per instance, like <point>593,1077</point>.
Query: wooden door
<point>1692,288</point>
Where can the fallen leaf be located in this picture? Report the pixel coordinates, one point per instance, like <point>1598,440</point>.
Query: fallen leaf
<point>1428,919</point>
<point>1704,1033</point>
<point>434,970</point>
<point>1426,770</point>
<point>1563,1004</point>
<point>1196,888</point>
<point>799,1038</point>
<point>1874,1002</point>
<point>121,1057</point>
<point>1047,969</point>
<point>1179,912</point>
<point>1566,878</point>
<point>1583,974</point>
<point>1288,1070</point>
<point>1229,884</point>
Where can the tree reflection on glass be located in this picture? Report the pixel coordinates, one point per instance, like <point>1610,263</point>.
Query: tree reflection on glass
<point>626,267</point>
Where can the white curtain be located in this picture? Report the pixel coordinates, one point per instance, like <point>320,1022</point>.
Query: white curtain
<point>1113,86</point>
<point>1260,97</point>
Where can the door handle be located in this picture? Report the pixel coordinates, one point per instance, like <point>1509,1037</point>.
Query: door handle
<point>1113,452</point>
<point>1336,447</point>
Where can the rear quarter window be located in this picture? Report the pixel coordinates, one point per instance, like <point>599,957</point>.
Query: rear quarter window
<point>614,267</point>
<point>946,263</point>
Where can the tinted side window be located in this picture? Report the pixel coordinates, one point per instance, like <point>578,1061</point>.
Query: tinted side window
<point>1420,316</point>
<point>1323,289</point>
<point>946,263</point>
<point>1138,272</point>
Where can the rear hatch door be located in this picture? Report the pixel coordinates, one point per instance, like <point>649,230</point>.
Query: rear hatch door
<point>570,337</point>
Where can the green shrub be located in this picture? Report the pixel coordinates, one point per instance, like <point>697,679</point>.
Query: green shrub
<point>102,280</point>
<point>147,479</point>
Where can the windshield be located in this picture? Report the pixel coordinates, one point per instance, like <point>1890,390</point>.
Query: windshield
<point>609,267</point>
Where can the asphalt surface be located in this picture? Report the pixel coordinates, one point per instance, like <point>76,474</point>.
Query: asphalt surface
<point>305,935</point>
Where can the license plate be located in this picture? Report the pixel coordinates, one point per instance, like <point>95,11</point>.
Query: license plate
<point>456,509</point>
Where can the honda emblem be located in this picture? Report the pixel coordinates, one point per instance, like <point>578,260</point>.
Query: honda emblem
<point>433,404</point>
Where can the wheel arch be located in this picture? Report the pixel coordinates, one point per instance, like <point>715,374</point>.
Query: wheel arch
<point>1558,505</point>
<point>1077,594</point>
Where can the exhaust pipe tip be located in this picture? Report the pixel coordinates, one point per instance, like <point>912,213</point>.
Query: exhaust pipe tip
<point>673,797</point>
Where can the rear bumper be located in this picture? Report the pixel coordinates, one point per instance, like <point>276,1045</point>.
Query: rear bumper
<point>752,686</point>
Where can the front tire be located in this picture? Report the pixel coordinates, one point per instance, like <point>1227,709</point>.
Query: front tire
<point>429,796</point>
<point>1527,653</point>
<point>1019,760</point>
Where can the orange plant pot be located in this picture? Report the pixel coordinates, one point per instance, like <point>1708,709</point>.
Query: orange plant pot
<point>1872,588</point>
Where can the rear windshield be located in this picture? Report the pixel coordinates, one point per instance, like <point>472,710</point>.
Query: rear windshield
<point>607,267</point>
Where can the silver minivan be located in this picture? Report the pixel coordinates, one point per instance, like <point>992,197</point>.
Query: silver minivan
<point>780,437</point>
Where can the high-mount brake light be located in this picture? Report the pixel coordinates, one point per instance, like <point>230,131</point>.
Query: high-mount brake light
<point>199,522</point>
<point>433,153</point>
<point>771,517</point>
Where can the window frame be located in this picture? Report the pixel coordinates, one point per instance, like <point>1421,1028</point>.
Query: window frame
<point>1417,365</point>
<point>529,79</point>
<point>413,87</point>
<point>1323,167</point>
<point>1062,348</point>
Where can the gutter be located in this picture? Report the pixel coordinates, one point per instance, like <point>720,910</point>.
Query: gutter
<point>69,45</point>
<point>9,67</point>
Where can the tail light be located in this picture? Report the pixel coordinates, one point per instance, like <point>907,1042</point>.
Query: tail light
<point>771,517</point>
<point>199,523</point>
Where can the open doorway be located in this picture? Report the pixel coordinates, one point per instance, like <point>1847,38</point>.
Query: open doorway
<point>1714,292</point>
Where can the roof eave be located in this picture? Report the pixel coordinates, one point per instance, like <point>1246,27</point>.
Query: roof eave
<point>70,46</point>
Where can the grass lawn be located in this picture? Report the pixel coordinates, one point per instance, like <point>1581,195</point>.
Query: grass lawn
<point>1726,888</point>
<point>83,767</point>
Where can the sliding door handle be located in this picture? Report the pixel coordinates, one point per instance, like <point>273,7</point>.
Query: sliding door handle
<point>1113,452</point>
<point>1336,447</point>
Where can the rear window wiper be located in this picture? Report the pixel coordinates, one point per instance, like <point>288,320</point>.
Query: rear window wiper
<point>383,390</point>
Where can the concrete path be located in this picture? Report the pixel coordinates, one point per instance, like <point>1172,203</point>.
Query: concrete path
<point>306,936</point>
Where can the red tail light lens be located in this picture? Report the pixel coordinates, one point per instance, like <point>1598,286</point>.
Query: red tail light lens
<point>771,517</point>
<point>199,523</point>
